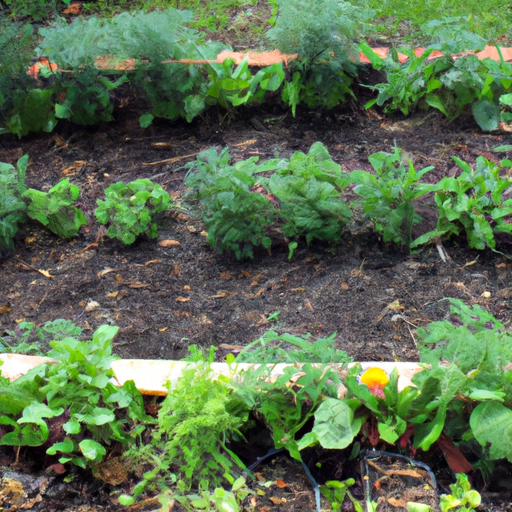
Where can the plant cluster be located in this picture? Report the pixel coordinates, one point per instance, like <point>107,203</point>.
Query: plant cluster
<point>463,392</point>
<point>129,209</point>
<point>29,339</point>
<point>70,404</point>
<point>474,202</point>
<point>445,83</point>
<point>307,195</point>
<point>238,208</point>
<point>131,53</point>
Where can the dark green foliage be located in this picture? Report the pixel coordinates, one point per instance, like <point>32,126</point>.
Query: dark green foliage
<point>473,202</point>
<point>173,90</point>
<point>236,214</point>
<point>323,34</point>
<point>129,209</point>
<point>308,188</point>
<point>55,210</point>
<point>12,207</point>
<point>387,195</point>
<point>37,10</point>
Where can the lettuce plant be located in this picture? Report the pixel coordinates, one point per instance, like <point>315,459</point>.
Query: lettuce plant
<point>128,209</point>
<point>308,188</point>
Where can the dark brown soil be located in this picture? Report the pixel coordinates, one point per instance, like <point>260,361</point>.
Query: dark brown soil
<point>167,298</point>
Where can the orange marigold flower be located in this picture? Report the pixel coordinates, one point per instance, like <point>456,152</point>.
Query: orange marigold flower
<point>375,379</point>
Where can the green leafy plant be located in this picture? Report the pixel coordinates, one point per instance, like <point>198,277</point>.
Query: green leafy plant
<point>12,207</point>
<point>308,188</point>
<point>236,214</point>
<point>408,83</point>
<point>335,492</point>
<point>23,108</point>
<point>473,202</point>
<point>323,35</point>
<point>447,84</point>
<point>55,210</point>
<point>287,402</point>
<point>462,497</point>
<point>389,194</point>
<point>129,209</point>
<point>76,390</point>
<point>29,339</point>
<point>229,86</point>
<point>273,347</point>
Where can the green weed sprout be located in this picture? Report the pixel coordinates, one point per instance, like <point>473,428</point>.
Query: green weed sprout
<point>129,209</point>
<point>462,497</point>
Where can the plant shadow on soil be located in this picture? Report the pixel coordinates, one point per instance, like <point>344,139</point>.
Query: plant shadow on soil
<point>167,298</point>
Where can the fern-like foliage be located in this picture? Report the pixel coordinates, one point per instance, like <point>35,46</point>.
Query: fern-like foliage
<point>173,90</point>
<point>12,207</point>
<point>55,210</point>
<point>323,34</point>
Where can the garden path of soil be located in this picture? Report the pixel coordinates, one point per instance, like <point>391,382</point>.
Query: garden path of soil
<point>166,298</point>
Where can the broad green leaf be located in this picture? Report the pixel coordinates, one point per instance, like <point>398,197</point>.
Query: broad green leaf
<point>92,450</point>
<point>66,446</point>
<point>335,426</point>
<point>491,424</point>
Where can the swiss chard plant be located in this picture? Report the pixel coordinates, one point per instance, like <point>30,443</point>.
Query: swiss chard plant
<point>55,209</point>
<point>235,212</point>
<point>24,107</point>
<point>388,195</point>
<point>308,189</point>
<point>474,202</point>
<point>12,206</point>
<point>130,209</point>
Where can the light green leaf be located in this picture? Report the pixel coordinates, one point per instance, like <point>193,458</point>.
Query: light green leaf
<point>92,450</point>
